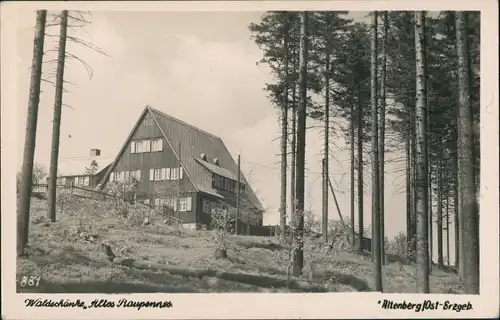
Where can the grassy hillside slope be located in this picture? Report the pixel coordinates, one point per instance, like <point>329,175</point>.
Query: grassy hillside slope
<point>69,257</point>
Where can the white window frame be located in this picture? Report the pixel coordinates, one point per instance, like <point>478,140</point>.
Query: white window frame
<point>157,174</point>
<point>174,173</point>
<point>148,121</point>
<point>167,173</point>
<point>86,181</point>
<point>157,145</point>
<point>132,147</point>
<point>183,204</point>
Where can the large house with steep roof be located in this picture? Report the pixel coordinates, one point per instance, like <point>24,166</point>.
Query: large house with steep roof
<point>173,162</point>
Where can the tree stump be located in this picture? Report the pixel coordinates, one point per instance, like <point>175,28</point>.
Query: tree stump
<point>220,254</point>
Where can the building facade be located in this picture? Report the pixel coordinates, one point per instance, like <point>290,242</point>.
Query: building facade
<point>85,172</point>
<point>174,164</point>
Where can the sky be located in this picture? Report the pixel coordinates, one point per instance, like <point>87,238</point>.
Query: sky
<point>199,67</point>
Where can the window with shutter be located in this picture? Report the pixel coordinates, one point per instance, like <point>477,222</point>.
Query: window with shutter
<point>180,172</point>
<point>162,175</point>
<point>188,203</point>
<point>86,181</point>
<point>138,175</point>
<point>157,174</point>
<point>132,147</point>
<point>151,174</point>
<point>111,176</point>
<point>127,175</point>
<point>182,204</point>
<point>173,173</point>
<point>160,145</point>
<point>148,145</point>
<point>167,174</point>
<point>77,180</point>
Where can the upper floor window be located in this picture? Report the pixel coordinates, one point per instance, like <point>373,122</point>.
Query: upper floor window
<point>157,145</point>
<point>148,121</point>
<point>140,146</point>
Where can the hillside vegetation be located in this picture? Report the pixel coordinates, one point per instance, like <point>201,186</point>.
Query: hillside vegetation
<point>69,257</point>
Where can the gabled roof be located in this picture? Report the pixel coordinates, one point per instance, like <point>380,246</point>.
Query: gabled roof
<point>194,142</point>
<point>77,166</point>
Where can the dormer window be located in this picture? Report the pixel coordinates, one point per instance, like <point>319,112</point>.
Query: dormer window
<point>216,161</point>
<point>203,157</point>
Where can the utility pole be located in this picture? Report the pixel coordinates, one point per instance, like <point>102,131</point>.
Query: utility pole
<point>30,138</point>
<point>237,197</point>
<point>56,124</point>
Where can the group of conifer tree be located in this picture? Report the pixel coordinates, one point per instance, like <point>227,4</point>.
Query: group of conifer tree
<point>401,82</point>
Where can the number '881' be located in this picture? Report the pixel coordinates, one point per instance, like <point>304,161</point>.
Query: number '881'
<point>30,281</point>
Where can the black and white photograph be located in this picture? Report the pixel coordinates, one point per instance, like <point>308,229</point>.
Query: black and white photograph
<point>270,150</point>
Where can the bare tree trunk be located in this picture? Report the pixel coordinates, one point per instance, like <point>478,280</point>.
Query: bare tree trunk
<point>353,170</point>
<point>376,227</point>
<point>284,139</point>
<point>466,176</point>
<point>409,230</point>
<point>431,217</point>
<point>293,147</point>
<point>382,135</point>
<point>360,174</point>
<point>440,212</point>
<point>422,201</point>
<point>56,124</point>
<point>30,137</point>
<point>447,208</point>
<point>324,220</point>
<point>456,208</point>
<point>298,261</point>
<point>413,190</point>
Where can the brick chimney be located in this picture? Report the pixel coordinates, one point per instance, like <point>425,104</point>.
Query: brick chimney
<point>95,152</point>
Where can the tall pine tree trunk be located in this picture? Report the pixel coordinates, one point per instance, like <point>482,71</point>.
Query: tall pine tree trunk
<point>360,173</point>
<point>466,173</point>
<point>440,211</point>
<point>376,240</point>
<point>456,208</point>
<point>447,221</point>
<point>353,170</point>
<point>293,143</point>
<point>56,124</point>
<point>30,137</point>
<point>409,235</point>
<point>431,222</point>
<point>421,186</point>
<point>298,239</point>
<point>382,135</point>
<point>413,190</point>
<point>324,220</point>
<point>284,140</point>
